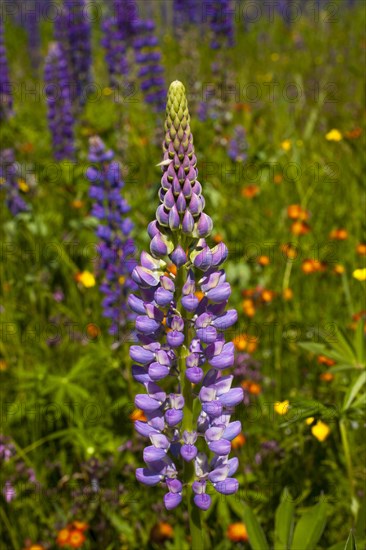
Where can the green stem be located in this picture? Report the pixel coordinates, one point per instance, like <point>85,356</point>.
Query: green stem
<point>197,542</point>
<point>347,456</point>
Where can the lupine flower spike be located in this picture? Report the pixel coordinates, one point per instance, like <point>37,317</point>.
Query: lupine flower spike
<point>6,100</point>
<point>59,105</point>
<point>182,359</point>
<point>116,247</point>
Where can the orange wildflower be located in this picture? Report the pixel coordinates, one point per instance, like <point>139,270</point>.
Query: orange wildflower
<point>361,249</point>
<point>172,269</point>
<point>80,525</point>
<point>353,134</point>
<point>287,294</point>
<point>92,330</point>
<point>338,269</point>
<point>296,212</point>
<point>278,178</point>
<point>323,360</point>
<point>237,532</point>
<point>63,537</point>
<point>300,228</point>
<point>76,539</point>
<point>199,294</point>
<point>250,191</point>
<point>311,266</point>
<point>77,203</point>
<point>244,342</point>
<point>137,414</point>
<point>161,532</point>
<point>248,308</point>
<point>267,296</point>
<point>339,234</point>
<point>263,260</point>
<point>326,376</point>
<point>218,238</point>
<point>238,441</point>
<point>290,251</point>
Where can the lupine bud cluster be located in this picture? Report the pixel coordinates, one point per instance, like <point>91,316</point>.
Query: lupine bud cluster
<point>59,105</point>
<point>238,145</point>
<point>220,14</point>
<point>181,358</point>
<point>9,180</point>
<point>6,100</point>
<point>73,31</point>
<point>116,248</point>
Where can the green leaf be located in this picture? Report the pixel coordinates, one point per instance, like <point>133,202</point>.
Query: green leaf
<point>353,390</point>
<point>257,539</point>
<point>359,342</point>
<point>284,522</point>
<point>361,520</point>
<point>310,528</point>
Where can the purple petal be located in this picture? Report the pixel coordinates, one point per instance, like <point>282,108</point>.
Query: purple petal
<point>194,374</point>
<point>146,403</point>
<point>220,447</point>
<point>158,371</point>
<point>175,338</point>
<point>173,417</point>
<point>140,374</point>
<point>188,452</point>
<point>146,476</point>
<point>232,397</point>
<point>227,487</point>
<point>232,430</point>
<point>202,501</point>
<point>152,454</point>
<point>172,500</point>
<point>141,355</point>
<point>144,429</point>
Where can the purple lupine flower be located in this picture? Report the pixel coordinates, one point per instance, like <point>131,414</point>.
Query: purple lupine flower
<point>220,15</point>
<point>115,51</point>
<point>238,145</point>
<point>58,96</point>
<point>181,336</point>
<point>116,246</point>
<point>187,12</point>
<point>73,32</point>
<point>148,57</point>
<point>6,99</point>
<point>9,180</point>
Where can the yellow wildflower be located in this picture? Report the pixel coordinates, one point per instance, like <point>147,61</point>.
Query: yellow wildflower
<point>334,135</point>
<point>281,407</point>
<point>23,186</point>
<point>86,278</point>
<point>320,430</point>
<point>360,274</point>
<point>286,145</point>
<point>107,91</point>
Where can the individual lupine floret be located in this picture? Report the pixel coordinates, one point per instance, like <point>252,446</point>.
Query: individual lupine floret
<point>59,105</point>
<point>6,99</point>
<point>180,326</point>
<point>116,247</point>
<point>9,180</point>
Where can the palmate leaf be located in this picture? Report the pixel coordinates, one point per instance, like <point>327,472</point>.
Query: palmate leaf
<point>310,528</point>
<point>284,522</point>
<point>353,390</point>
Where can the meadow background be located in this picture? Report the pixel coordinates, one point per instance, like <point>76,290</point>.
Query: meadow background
<point>278,125</point>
